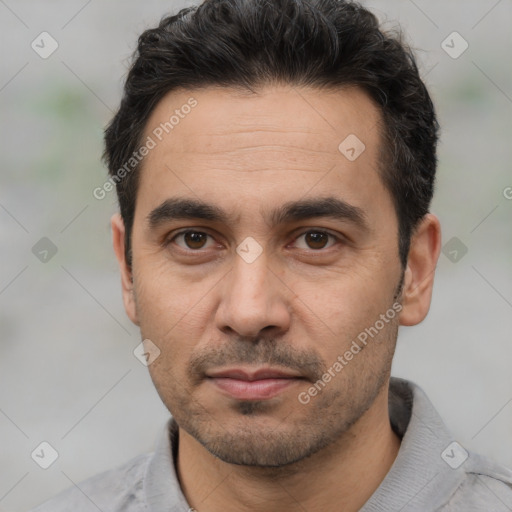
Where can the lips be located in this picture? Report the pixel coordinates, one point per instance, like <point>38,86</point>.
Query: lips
<point>250,384</point>
<point>252,375</point>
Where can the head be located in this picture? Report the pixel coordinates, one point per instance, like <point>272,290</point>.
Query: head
<point>274,164</point>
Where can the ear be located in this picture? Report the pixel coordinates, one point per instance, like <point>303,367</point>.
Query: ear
<point>118,232</point>
<point>419,274</point>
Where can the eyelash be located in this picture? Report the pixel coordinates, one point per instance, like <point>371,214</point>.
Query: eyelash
<point>337,239</point>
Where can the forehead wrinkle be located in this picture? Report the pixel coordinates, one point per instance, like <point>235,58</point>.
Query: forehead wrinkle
<point>261,147</point>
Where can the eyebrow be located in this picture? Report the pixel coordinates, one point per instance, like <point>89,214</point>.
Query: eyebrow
<point>292,211</point>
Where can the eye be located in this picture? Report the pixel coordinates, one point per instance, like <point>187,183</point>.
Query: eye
<point>191,240</point>
<point>315,239</point>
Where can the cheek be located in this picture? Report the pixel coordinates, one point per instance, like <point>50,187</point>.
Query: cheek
<point>163,295</point>
<point>175,313</point>
<point>169,315</point>
<point>346,305</point>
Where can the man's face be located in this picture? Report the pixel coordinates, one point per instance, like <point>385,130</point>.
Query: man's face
<point>254,296</point>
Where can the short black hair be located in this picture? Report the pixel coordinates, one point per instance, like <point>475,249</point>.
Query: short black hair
<point>253,43</point>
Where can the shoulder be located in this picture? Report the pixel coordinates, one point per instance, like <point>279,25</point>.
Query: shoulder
<point>449,477</point>
<point>486,486</point>
<point>117,490</point>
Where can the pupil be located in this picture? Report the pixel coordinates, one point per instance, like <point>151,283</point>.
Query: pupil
<point>195,240</point>
<point>316,240</point>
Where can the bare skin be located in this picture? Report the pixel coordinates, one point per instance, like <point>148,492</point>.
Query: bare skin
<point>317,280</point>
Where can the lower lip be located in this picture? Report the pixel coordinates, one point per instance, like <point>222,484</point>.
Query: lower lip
<point>252,390</point>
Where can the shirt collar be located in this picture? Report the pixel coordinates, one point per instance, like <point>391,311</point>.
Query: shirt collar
<point>161,482</point>
<point>419,479</point>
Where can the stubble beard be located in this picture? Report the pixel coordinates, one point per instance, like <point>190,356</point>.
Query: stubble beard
<point>306,430</point>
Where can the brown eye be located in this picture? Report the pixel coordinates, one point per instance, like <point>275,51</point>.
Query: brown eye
<point>191,239</point>
<point>195,240</point>
<point>315,240</point>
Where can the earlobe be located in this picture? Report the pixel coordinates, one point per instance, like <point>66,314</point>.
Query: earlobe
<point>118,233</point>
<point>419,274</point>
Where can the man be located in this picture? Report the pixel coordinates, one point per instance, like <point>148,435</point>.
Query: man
<point>274,164</point>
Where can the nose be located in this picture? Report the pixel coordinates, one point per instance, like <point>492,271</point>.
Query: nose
<point>253,299</point>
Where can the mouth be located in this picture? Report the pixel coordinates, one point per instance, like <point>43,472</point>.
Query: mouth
<point>253,384</point>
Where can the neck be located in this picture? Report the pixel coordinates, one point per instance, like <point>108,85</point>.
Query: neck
<point>342,476</point>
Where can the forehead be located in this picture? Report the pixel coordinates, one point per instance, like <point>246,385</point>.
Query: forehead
<point>296,114</point>
<point>281,142</point>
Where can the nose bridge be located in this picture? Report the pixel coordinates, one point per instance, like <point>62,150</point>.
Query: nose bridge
<point>250,264</point>
<point>252,299</point>
<point>250,281</point>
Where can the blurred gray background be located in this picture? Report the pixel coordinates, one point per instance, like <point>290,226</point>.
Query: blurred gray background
<point>68,373</point>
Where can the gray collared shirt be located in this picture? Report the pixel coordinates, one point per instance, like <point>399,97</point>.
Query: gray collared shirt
<point>432,472</point>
